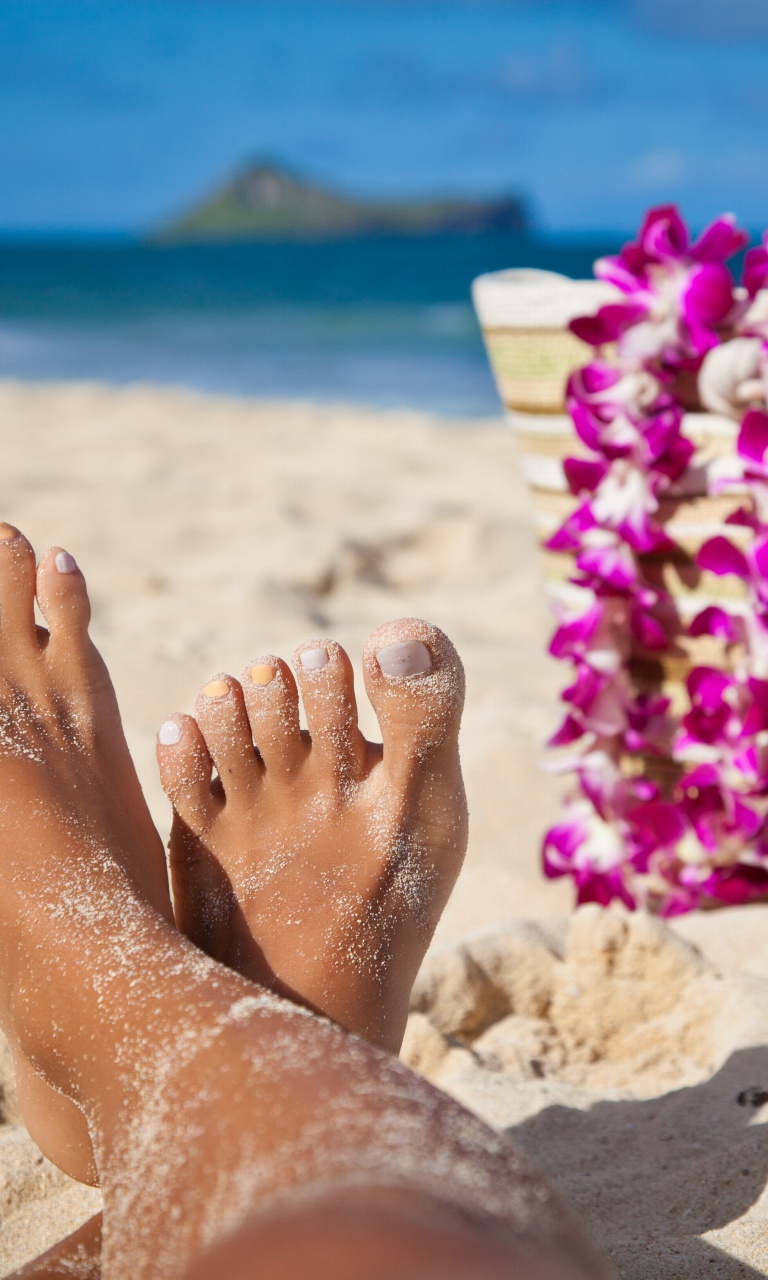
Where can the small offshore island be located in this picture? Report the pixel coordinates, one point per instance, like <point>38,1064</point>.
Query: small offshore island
<point>266,201</point>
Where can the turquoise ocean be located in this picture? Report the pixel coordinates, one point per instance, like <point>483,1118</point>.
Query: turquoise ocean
<point>384,321</point>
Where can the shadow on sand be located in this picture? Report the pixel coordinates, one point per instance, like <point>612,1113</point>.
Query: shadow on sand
<point>650,1177</point>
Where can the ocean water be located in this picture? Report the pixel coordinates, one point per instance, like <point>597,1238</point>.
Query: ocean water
<point>383,321</point>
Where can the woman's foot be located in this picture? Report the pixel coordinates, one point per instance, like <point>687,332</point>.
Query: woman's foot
<point>68,791</point>
<point>319,863</point>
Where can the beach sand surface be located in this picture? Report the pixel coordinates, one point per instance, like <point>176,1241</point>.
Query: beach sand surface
<point>630,1059</point>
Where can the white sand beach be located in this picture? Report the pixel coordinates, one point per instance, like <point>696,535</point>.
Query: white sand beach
<point>630,1060</point>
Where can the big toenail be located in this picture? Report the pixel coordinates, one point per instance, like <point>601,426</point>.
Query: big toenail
<point>169,734</point>
<point>7,532</point>
<point>263,674</point>
<point>65,563</point>
<point>412,658</point>
<point>314,659</point>
<point>216,689</point>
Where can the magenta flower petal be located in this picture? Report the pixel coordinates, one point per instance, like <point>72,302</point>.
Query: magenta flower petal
<point>616,272</point>
<point>719,556</point>
<point>753,436</point>
<point>736,885</point>
<point>648,631</point>
<point>608,325</point>
<point>570,731</point>
<point>585,688</point>
<point>707,685</point>
<point>715,622</point>
<point>708,296</point>
<point>583,476</point>
<point>760,558</point>
<point>560,844</point>
<point>593,378</point>
<point>614,566</point>
<point>571,639</point>
<point>592,330</point>
<point>756,720</point>
<point>664,235</point>
<point>661,434</point>
<point>603,888</point>
<point>719,241</point>
<point>755,273</point>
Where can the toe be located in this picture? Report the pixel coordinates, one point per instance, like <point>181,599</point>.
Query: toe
<point>62,596</point>
<point>221,714</point>
<point>272,700</point>
<point>415,681</point>
<point>327,689</point>
<point>17,586</point>
<point>186,770</point>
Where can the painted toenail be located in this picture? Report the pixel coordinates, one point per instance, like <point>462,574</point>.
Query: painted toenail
<point>409,659</point>
<point>314,659</point>
<point>169,734</point>
<point>65,563</point>
<point>7,532</point>
<point>216,689</point>
<point>263,674</point>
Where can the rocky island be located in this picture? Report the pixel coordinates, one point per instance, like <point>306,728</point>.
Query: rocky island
<point>265,201</point>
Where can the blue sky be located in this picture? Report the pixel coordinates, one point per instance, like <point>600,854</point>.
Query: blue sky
<point>114,116</point>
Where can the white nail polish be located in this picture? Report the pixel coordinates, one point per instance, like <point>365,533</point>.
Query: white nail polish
<point>409,659</point>
<point>314,659</point>
<point>65,563</point>
<point>169,734</point>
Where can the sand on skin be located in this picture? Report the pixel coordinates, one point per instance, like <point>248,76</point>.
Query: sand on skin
<point>212,530</point>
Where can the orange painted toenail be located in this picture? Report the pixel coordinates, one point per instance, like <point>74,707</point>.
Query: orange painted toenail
<point>7,532</point>
<point>216,689</point>
<point>263,674</point>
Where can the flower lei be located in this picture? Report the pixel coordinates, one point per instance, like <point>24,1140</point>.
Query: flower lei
<point>684,334</point>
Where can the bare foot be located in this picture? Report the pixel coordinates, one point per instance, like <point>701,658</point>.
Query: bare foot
<point>69,790</point>
<point>318,864</point>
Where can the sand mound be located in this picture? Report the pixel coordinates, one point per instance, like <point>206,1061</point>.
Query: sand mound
<point>631,1069</point>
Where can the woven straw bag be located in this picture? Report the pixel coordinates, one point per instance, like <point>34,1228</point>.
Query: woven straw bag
<point>524,316</point>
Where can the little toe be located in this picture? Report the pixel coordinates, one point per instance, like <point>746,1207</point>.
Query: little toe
<point>17,586</point>
<point>221,714</point>
<point>272,700</point>
<point>326,681</point>
<point>63,597</point>
<point>186,770</point>
<point>415,681</point>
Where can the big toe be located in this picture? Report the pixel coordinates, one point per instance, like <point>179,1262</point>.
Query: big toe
<point>415,681</point>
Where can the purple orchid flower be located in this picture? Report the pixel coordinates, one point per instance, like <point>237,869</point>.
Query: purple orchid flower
<point>597,637</point>
<point>627,416</point>
<point>679,294</point>
<point>623,499</point>
<point>598,701</point>
<point>712,719</point>
<point>723,823</point>
<point>592,852</point>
